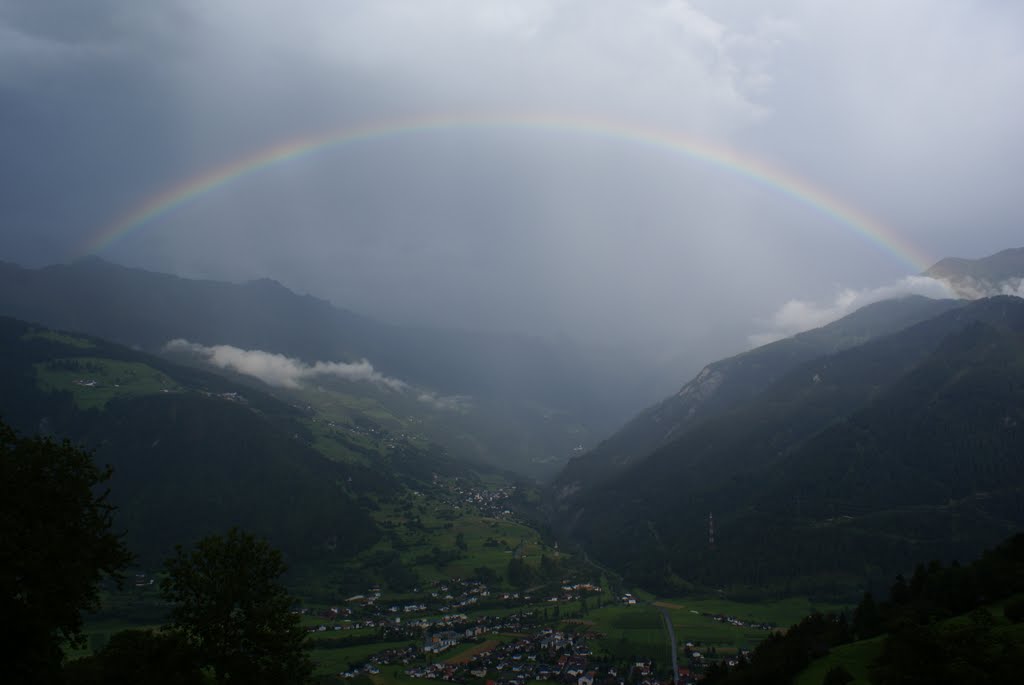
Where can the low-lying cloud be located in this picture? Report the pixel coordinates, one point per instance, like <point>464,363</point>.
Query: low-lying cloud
<point>797,316</point>
<point>971,288</point>
<point>1013,287</point>
<point>445,402</point>
<point>281,371</point>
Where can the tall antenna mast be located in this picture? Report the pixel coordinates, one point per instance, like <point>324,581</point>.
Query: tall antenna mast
<point>711,530</point>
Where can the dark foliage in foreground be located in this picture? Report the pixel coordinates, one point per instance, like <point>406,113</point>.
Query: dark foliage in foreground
<point>229,605</point>
<point>56,545</point>
<point>936,625</point>
<point>139,656</point>
<point>780,657</point>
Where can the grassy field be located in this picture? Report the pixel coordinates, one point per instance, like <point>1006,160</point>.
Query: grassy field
<point>334,661</point>
<point>631,631</point>
<point>691,625</point>
<point>638,631</point>
<point>783,612</point>
<point>489,542</point>
<point>93,381</point>
<point>464,652</point>
<point>855,658</point>
<point>62,338</point>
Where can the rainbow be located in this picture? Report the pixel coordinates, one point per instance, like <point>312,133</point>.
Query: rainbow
<point>717,156</point>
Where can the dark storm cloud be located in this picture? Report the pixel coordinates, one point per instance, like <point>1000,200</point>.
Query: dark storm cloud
<point>909,113</point>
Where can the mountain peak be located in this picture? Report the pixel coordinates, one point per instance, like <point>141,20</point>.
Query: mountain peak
<point>997,274</point>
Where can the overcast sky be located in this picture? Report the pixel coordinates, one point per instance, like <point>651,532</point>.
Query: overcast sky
<point>908,112</point>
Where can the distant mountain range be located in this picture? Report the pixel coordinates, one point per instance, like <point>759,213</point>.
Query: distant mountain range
<point>527,403</point>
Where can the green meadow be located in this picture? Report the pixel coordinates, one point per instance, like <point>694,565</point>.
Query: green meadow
<point>93,381</point>
<point>61,338</point>
<point>782,612</point>
<point>856,658</point>
<point>630,632</point>
<point>334,661</point>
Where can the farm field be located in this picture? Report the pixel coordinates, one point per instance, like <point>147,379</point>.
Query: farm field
<point>438,543</point>
<point>782,612</point>
<point>637,630</point>
<point>630,632</point>
<point>335,661</point>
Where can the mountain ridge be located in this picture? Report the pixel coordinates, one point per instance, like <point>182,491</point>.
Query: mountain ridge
<point>996,274</point>
<point>720,385</point>
<point>533,401</point>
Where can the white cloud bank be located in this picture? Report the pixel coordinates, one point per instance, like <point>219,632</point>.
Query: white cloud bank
<point>974,288</point>
<point>1013,287</point>
<point>287,372</point>
<point>797,316</point>
<point>281,371</point>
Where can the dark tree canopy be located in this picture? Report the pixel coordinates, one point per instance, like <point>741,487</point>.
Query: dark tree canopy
<point>139,656</point>
<point>229,604</point>
<point>56,545</point>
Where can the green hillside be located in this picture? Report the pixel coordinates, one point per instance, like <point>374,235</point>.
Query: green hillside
<point>355,495</point>
<point>192,452</point>
<point>946,624</point>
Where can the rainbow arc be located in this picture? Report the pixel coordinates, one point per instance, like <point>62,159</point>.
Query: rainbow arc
<point>726,159</point>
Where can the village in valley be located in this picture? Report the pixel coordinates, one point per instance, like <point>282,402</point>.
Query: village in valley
<point>496,602</point>
<point>464,631</point>
<point>462,589</point>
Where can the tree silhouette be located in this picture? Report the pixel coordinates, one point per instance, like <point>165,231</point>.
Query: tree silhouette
<point>229,604</point>
<point>139,656</point>
<point>56,545</point>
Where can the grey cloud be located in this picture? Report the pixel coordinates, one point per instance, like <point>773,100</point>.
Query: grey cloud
<point>456,403</point>
<point>1013,287</point>
<point>908,113</point>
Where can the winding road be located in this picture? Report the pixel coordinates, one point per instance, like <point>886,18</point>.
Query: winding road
<point>672,641</point>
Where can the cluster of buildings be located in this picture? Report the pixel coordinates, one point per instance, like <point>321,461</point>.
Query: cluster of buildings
<point>739,622</point>
<point>415,619</point>
<point>488,502</point>
<point>574,591</point>
<point>545,655</point>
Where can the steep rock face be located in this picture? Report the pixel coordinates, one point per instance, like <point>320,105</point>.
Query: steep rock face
<point>998,274</point>
<point>724,384</point>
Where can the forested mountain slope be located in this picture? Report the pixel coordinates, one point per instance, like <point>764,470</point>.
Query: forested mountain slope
<point>725,384</point>
<point>192,452</point>
<point>850,466</point>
